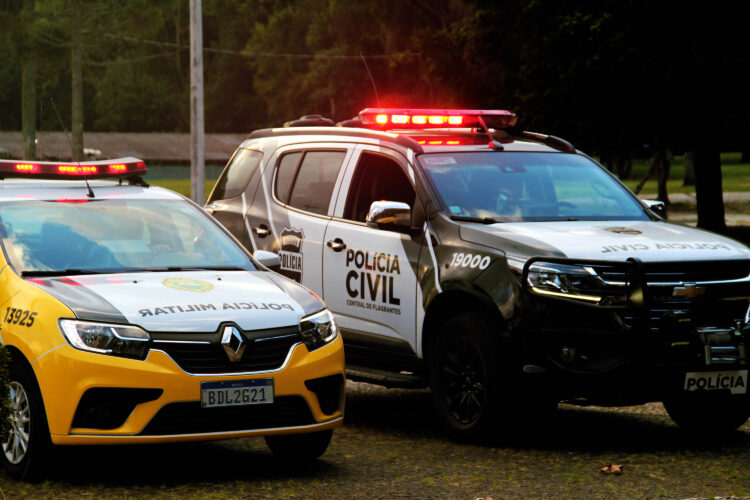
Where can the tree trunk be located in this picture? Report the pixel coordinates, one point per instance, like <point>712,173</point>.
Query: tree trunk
<point>662,174</point>
<point>76,70</point>
<point>623,166</point>
<point>689,179</point>
<point>708,189</point>
<point>28,88</point>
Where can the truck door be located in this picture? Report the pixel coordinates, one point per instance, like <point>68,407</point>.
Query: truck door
<point>369,275</point>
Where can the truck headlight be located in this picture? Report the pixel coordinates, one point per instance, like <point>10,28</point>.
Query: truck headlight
<point>565,280</point>
<point>103,338</point>
<point>318,329</point>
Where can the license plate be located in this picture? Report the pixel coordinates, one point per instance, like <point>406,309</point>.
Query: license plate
<point>237,392</point>
<point>733,380</point>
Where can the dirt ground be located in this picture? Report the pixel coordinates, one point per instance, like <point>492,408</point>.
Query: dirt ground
<point>391,447</point>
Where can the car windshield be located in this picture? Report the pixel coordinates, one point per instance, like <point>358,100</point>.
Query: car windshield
<point>49,237</point>
<point>523,186</point>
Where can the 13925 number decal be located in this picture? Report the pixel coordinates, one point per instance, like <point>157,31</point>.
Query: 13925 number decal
<point>21,317</point>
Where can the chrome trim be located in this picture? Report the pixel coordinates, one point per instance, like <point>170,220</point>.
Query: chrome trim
<point>232,374</point>
<point>219,433</point>
<point>182,341</point>
<point>746,279</point>
<point>277,337</point>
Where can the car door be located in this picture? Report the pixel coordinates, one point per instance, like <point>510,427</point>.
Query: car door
<point>369,275</point>
<point>290,213</point>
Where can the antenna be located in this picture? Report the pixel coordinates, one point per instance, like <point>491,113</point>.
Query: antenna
<point>371,78</point>
<point>90,193</point>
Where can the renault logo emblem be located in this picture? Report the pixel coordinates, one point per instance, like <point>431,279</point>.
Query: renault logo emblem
<point>233,343</point>
<point>689,290</point>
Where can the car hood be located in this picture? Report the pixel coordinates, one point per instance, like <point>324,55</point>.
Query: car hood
<point>650,241</point>
<point>197,301</point>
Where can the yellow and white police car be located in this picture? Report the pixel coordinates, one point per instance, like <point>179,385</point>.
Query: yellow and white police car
<point>504,268</point>
<point>131,316</point>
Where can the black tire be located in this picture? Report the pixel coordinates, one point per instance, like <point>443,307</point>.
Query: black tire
<point>708,413</point>
<point>25,451</point>
<point>299,448</point>
<point>466,376</point>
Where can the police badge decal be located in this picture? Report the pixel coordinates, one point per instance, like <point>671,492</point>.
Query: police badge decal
<point>291,239</point>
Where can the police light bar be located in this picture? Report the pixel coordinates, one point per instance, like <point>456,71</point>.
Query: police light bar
<point>120,167</point>
<point>400,119</point>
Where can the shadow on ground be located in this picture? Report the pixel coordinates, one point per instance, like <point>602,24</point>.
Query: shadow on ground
<point>176,464</point>
<point>639,429</point>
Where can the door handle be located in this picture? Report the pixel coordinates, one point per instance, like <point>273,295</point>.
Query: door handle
<point>336,245</point>
<point>262,230</point>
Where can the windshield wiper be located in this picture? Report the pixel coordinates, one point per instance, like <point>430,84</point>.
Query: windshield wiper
<point>480,220</point>
<point>195,268</point>
<point>62,272</point>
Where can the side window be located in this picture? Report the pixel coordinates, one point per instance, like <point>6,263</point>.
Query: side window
<point>308,183</point>
<point>236,176</point>
<point>285,175</point>
<point>377,178</point>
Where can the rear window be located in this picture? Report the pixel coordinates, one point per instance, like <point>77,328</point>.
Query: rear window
<point>236,176</point>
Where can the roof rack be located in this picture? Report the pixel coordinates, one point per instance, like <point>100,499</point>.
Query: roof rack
<point>401,140</point>
<point>310,121</point>
<point>548,140</point>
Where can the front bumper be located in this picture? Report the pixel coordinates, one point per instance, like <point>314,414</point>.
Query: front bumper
<point>167,399</point>
<point>640,349</point>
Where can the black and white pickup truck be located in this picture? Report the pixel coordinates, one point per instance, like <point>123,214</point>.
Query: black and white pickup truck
<point>505,269</point>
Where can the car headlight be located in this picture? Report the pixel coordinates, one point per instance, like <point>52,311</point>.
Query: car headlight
<point>103,338</point>
<point>318,329</point>
<point>570,281</point>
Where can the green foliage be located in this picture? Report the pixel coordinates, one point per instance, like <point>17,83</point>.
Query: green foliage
<point>610,76</point>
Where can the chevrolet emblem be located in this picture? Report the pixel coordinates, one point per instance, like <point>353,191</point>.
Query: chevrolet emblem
<point>233,343</point>
<point>689,290</point>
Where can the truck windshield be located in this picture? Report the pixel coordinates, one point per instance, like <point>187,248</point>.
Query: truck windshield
<point>48,237</point>
<point>522,186</point>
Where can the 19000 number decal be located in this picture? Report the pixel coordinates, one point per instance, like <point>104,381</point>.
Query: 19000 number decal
<point>21,317</point>
<point>470,260</point>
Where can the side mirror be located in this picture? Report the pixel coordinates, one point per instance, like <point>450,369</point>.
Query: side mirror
<point>390,216</point>
<point>656,206</point>
<point>268,259</point>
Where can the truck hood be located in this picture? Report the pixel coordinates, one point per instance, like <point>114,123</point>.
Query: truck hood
<point>196,301</point>
<point>650,241</point>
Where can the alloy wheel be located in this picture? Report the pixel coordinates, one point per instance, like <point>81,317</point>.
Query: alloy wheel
<point>16,445</point>
<point>463,380</point>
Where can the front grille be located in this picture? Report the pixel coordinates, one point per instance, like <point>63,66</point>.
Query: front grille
<point>685,272</point>
<point>266,350</point>
<point>191,418</point>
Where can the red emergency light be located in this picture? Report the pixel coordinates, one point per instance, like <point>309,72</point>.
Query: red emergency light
<point>402,119</point>
<point>120,167</point>
<point>463,140</point>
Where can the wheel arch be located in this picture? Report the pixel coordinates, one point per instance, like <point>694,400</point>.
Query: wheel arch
<point>451,302</point>
<point>17,356</point>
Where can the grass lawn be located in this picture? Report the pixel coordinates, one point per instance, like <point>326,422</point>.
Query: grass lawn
<point>735,175</point>
<point>182,186</point>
